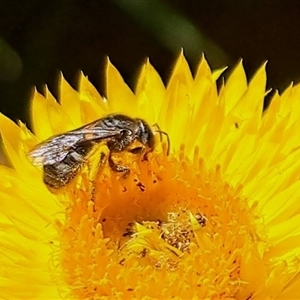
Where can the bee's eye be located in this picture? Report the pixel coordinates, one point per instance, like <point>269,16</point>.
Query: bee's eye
<point>125,133</point>
<point>81,150</point>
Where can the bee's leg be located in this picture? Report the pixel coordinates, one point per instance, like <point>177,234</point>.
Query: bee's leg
<point>140,151</point>
<point>95,172</point>
<point>97,166</point>
<point>137,150</point>
<point>117,167</point>
<point>145,156</point>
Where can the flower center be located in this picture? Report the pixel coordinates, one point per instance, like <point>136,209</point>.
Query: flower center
<point>171,226</point>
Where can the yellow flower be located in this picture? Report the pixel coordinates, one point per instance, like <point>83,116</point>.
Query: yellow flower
<point>216,219</point>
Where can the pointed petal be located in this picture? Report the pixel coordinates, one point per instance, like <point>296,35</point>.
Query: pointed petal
<point>39,117</point>
<point>70,102</point>
<point>251,102</point>
<point>235,87</point>
<point>92,105</point>
<point>178,104</point>
<point>150,92</point>
<point>120,97</point>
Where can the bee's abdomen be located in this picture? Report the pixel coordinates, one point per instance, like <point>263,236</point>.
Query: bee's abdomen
<point>59,174</point>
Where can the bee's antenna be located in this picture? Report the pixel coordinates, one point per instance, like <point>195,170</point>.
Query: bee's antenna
<point>163,133</point>
<point>168,140</point>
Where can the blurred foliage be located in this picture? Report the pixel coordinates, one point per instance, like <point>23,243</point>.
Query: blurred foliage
<point>10,63</point>
<point>40,38</point>
<point>172,29</point>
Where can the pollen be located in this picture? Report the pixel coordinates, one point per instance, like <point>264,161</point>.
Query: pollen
<point>170,222</point>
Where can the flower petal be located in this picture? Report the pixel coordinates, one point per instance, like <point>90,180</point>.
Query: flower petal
<point>93,106</point>
<point>120,97</point>
<point>235,87</point>
<point>150,92</point>
<point>70,102</point>
<point>178,103</point>
<point>26,241</point>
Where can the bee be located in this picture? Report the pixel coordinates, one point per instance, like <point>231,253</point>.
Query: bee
<point>62,156</point>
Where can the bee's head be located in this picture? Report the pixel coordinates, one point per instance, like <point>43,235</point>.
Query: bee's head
<point>145,134</point>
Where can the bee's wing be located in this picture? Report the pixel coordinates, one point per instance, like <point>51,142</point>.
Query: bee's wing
<point>55,149</point>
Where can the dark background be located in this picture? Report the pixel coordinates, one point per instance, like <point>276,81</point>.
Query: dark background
<point>40,38</point>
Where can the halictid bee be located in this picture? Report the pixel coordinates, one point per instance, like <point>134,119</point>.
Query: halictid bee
<point>63,155</point>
